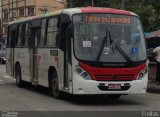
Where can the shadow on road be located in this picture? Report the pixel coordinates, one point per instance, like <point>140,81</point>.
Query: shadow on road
<point>85,99</point>
<point>99,100</point>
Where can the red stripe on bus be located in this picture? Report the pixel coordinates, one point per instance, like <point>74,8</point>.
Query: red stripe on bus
<point>104,10</point>
<point>110,74</point>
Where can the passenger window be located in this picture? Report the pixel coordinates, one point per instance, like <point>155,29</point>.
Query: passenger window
<point>16,36</point>
<point>27,34</point>
<point>21,35</point>
<point>43,28</point>
<point>52,32</point>
<point>9,37</point>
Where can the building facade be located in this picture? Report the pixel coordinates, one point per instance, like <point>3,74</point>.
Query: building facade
<point>18,9</point>
<point>0,28</point>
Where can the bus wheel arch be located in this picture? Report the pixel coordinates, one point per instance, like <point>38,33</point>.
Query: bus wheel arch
<point>53,83</point>
<point>18,76</point>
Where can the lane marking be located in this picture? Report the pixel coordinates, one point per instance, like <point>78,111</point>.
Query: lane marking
<point>7,77</point>
<point>13,79</point>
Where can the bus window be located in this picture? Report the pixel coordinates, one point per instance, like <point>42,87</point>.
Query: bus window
<point>27,34</point>
<point>19,36</point>
<point>23,35</point>
<point>52,32</point>
<point>43,30</point>
<point>16,36</point>
<point>12,35</point>
<point>21,39</point>
<point>9,36</point>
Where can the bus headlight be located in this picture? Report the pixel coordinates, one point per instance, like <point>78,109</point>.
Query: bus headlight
<point>82,73</point>
<point>142,74</point>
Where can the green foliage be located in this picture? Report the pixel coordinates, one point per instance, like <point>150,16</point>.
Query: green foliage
<point>148,10</point>
<point>97,3</point>
<point>145,14</point>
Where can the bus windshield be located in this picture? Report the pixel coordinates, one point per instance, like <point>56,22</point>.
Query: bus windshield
<point>108,38</point>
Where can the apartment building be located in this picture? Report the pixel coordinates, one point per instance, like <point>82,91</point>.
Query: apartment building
<point>19,9</point>
<point>0,28</point>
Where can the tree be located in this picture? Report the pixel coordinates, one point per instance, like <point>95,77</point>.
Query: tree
<point>148,10</point>
<point>97,3</point>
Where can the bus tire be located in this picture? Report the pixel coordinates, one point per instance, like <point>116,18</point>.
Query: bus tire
<point>54,87</point>
<point>19,81</point>
<point>114,96</point>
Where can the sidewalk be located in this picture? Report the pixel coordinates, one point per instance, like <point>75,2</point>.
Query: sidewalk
<point>152,86</point>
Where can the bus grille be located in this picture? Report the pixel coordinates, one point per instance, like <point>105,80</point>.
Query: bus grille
<point>126,77</point>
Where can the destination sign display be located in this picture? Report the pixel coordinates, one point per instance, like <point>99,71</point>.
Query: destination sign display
<point>105,19</point>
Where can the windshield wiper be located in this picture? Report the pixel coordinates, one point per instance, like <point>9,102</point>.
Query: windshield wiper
<point>102,46</point>
<point>120,49</point>
<point>116,45</point>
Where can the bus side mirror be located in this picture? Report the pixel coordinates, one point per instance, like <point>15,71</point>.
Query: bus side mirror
<point>65,19</point>
<point>69,31</point>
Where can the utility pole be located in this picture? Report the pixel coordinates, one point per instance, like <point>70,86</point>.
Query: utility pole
<point>70,3</point>
<point>1,8</point>
<point>143,1</point>
<point>122,4</point>
<point>92,2</point>
<point>12,12</point>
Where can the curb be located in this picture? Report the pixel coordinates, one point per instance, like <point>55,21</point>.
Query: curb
<point>153,89</point>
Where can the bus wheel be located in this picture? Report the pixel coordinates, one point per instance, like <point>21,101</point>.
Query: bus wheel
<point>114,96</point>
<point>19,81</point>
<point>54,86</point>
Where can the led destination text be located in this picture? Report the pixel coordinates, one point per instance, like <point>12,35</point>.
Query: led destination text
<point>118,20</point>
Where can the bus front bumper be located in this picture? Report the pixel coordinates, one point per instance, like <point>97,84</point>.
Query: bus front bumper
<point>91,87</point>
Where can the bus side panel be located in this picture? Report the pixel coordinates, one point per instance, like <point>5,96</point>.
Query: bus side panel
<point>45,61</point>
<point>22,57</point>
<point>42,66</point>
<point>9,61</point>
<point>61,69</point>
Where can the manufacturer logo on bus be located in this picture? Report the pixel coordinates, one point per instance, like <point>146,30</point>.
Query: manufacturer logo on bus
<point>115,76</point>
<point>114,65</point>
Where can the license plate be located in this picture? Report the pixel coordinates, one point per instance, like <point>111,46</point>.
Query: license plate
<point>114,86</point>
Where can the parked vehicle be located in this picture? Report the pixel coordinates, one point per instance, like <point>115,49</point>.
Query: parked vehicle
<point>152,43</point>
<point>2,57</point>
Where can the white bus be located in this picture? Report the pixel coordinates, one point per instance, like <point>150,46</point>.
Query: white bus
<point>81,51</point>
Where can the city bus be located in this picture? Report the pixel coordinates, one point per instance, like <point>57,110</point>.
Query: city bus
<point>80,51</point>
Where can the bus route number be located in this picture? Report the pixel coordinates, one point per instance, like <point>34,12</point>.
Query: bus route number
<point>105,19</point>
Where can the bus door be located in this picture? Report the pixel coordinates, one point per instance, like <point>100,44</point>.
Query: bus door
<point>34,52</point>
<point>66,64</point>
<point>66,47</point>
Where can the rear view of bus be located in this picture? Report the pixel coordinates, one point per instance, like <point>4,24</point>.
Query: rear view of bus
<point>110,52</point>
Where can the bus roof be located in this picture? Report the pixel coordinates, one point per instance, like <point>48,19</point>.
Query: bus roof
<point>26,19</point>
<point>105,10</point>
<point>72,11</point>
